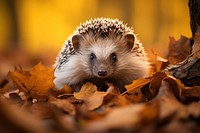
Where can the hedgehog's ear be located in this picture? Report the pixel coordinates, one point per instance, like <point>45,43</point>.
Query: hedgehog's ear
<point>130,40</point>
<point>76,41</point>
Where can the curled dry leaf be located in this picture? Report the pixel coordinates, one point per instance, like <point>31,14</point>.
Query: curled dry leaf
<point>178,49</point>
<point>137,84</point>
<point>159,63</point>
<point>156,83</point>
<point>36,82</point>
<point>134,93</point>
<point>86,91</point>
<point>168,102</point>
<point>95,101</point>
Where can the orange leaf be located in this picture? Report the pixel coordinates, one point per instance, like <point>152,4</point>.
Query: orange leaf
<point>95,101</point>
<point>36,82</point>
<point>86,91</point>
<point>137,84</point>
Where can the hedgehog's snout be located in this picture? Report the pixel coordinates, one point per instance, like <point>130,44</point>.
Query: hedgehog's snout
<point>102,72</point>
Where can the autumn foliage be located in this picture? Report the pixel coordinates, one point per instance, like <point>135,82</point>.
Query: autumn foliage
<point>159,103</point>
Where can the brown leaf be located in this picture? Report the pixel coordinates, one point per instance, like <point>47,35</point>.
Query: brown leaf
<point>134,90</point>
<point>168,102</point>
<point>62,93</point>
<point>123,117</point>
<point>191,91</point>
<point>95,101</point>
<point>137,84</point>
<point>112,89</point>
<point>40,109</point>
<point>13,119</point>
<point>159,63</point>
<point>150,113</point>
<point>178,49</point>
<point>156,82</point>
<point>20,77</point>
<point>36,82</point>
<point>63,104</point>
<point>176,86</point>
<point>86,91</point>
<point>120,101</point>
<point>136,97</point>
<point>190,94</point>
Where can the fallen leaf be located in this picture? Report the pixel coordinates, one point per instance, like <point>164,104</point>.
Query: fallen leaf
<point>159,63</point>
<point>191,91</point>
<point>13,119</point>
<point>64,104</point>
<point>190,94</point>
<point>178,49</point>
<point>86,91</point>
<point>37,82</point>
<point>62,93</point>
<point>136,84</point>
<point>94,101</point>
<point>168,102</point>
<point>131,116</point>
<point>176,86</point>
<point>156,83</point>
<point>20,77</point>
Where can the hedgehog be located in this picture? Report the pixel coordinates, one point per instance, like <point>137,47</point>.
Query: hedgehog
<point>101,51</point>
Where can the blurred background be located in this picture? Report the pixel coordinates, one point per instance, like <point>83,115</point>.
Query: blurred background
<point>34,30</point>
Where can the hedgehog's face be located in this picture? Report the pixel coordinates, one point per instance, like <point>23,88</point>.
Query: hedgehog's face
<point>103,55</point>
<point>102,67</point>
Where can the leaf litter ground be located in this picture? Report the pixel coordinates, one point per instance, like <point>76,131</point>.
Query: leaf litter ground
<point>159,103</point>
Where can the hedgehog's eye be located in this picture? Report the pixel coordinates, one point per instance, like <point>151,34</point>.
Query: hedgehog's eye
<point>114,56</point>
<point>92,57</point>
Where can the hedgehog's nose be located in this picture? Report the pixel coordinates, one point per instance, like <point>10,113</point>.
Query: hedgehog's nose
<point>102,72</point>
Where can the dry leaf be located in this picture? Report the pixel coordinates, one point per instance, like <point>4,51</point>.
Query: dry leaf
<point>156,83</point>
<point>13,119</point>
<point>178,49</point>
<point>62,93</point>
<point>130,116</point>
<point>64,104</point>
<point>168,102</point>
<point>95,101</point>
<point>20,77</point>
<point>36,82</point>
<point>137,84</point>
<point>86,91</point>
<point>124,117</point>
<point>159,62</point>
<point>134,90</point>
<point>176,86</point>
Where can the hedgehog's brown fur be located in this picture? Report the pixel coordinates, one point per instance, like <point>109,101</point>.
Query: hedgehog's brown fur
<point>119,57</point>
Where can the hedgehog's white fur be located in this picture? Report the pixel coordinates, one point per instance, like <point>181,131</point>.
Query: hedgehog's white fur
<point>76,66</point>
